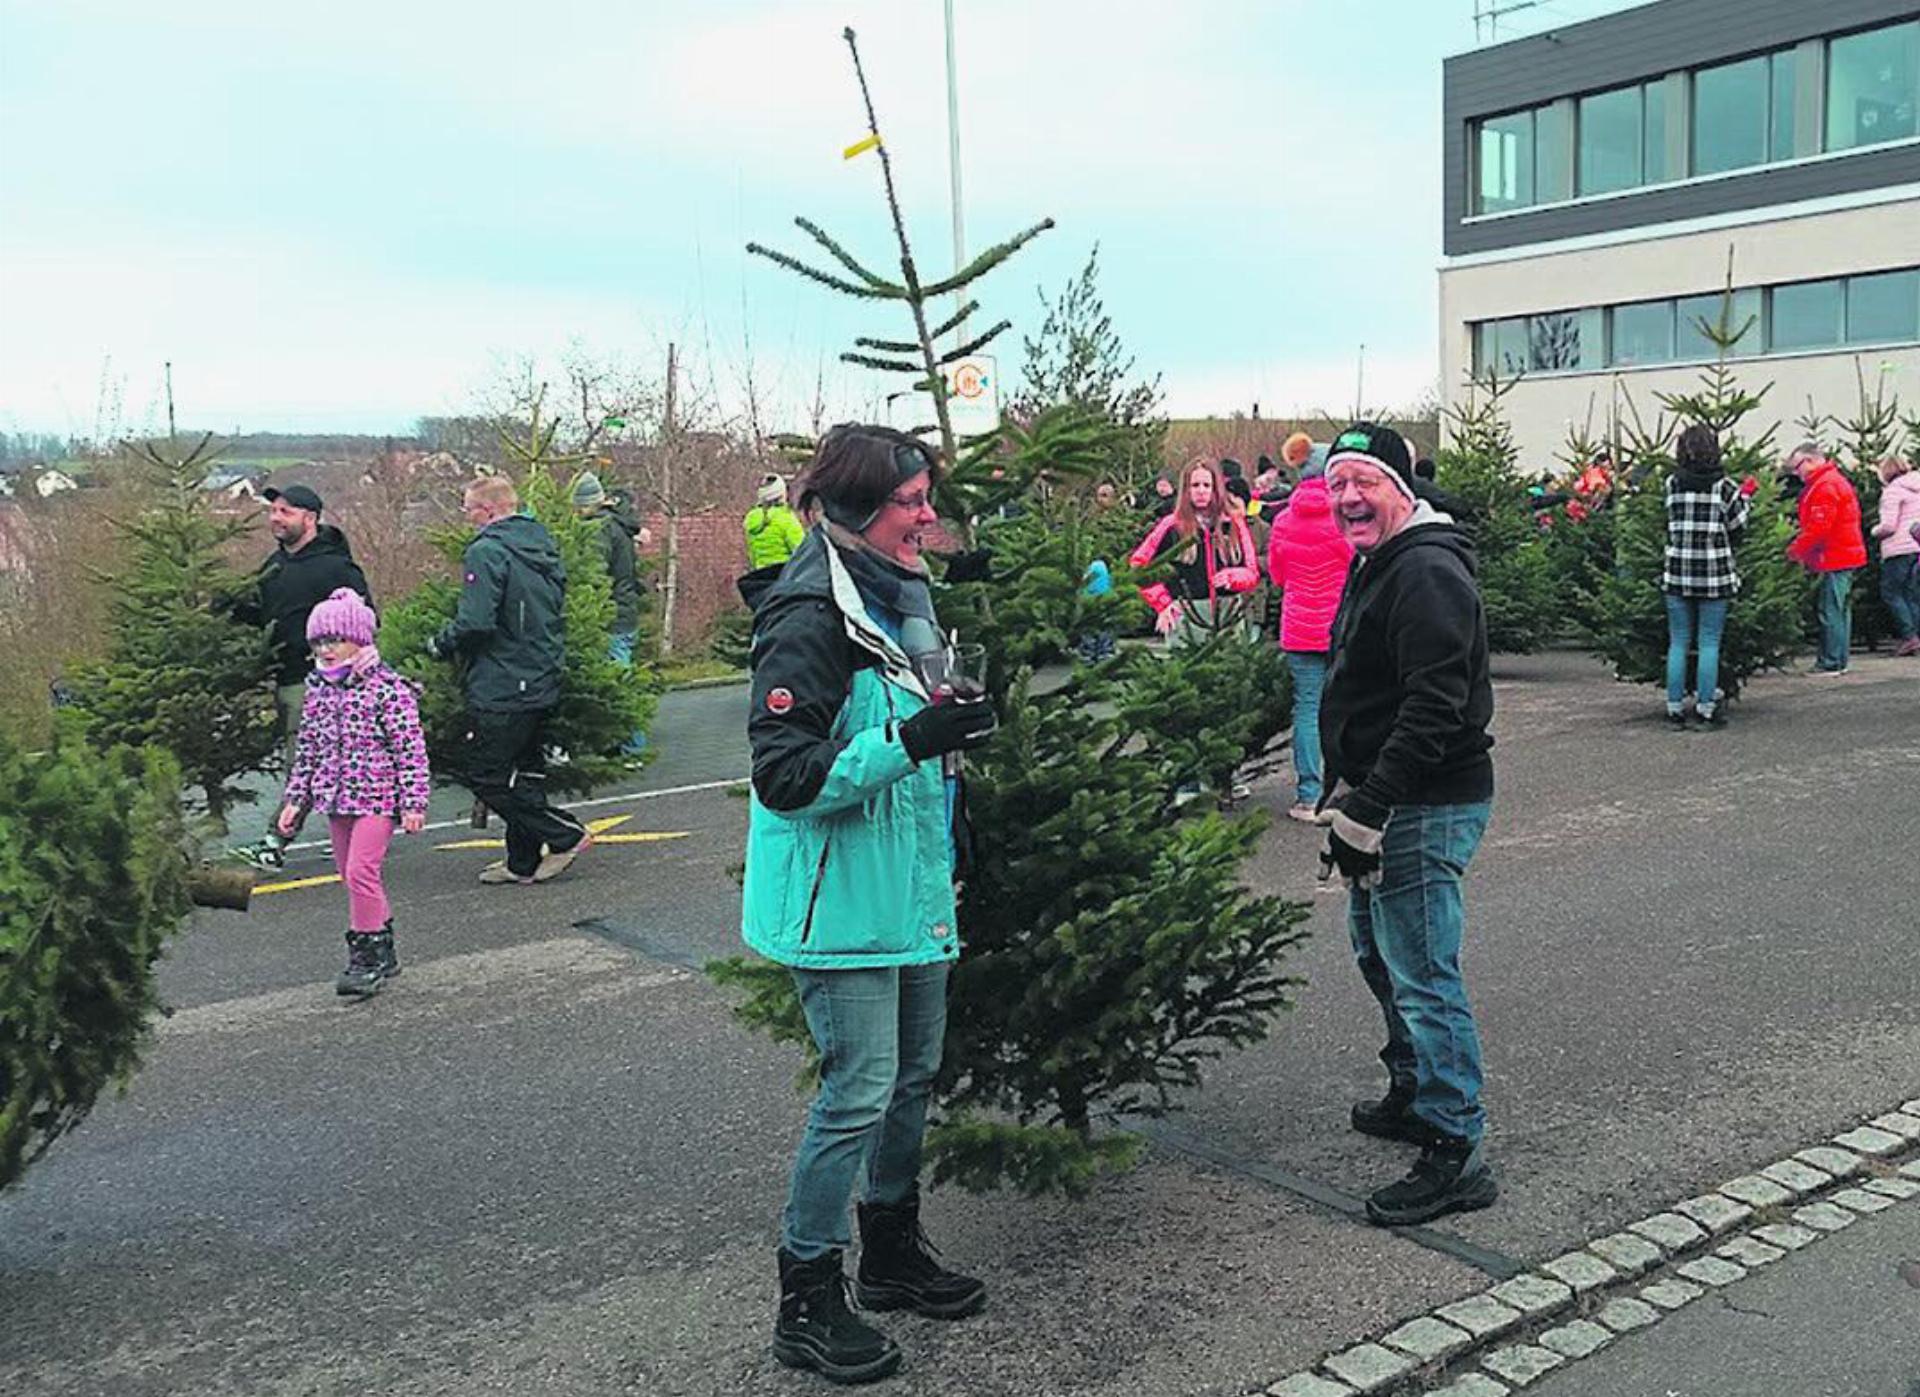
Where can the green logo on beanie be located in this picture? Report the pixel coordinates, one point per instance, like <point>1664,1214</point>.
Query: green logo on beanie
<point>1359,439</point>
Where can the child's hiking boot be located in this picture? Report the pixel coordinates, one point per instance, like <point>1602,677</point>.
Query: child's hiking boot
<point>898,1270</point>
<point>365,971</point>
<point>816,1330</point>
<point>383,943</point>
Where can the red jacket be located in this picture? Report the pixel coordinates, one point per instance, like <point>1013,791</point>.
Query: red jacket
<point>1199,573</point>
<point>1829,538</point>
<point>1307,559</point>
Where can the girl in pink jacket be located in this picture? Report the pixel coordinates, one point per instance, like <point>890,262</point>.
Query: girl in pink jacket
<point>1214,562</point>
<point>361,760</point>
<point>1900,550</point>
<point>1307,558</point>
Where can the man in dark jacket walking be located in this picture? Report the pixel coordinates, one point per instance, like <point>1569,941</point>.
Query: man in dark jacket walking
<point>1404,725</point>
<point>311,561</point>
<point>510,630</point>
<point>618,533</point>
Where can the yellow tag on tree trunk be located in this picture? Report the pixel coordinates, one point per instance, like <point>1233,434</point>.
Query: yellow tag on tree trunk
<point>861,147</point>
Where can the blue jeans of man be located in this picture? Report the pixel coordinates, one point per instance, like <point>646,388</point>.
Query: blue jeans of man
<point>1836,619</point>
<point>1309,670</point>
<point>1406,933</point>
<point>1900,589</point>
<point>880,1033</point>
<point>1691,619</point>
<point>620,650</point>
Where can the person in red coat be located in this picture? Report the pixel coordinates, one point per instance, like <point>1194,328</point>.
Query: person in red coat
<point>1307,558</point>
<point>1831,546</point>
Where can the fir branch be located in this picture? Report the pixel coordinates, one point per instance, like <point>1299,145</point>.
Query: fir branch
<point>974,346</point>
<point>868,361</point>
<point>952,322</point>
<point>986,261</point>
<point>828,279</point>
<point>890,346</point>
<point>845,258</point>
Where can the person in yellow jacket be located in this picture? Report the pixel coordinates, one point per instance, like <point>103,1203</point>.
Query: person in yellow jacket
<point>773,529</point>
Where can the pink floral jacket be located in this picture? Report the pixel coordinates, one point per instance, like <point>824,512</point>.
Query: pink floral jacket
<point>361,749</point>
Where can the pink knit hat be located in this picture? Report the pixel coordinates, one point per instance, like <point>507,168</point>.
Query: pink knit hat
<point>342,616</point>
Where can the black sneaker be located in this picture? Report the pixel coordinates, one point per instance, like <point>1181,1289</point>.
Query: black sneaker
<point>267,854</point>
<point>1716,718</point>
<point>1391,1118</point>
<point>1677,721</point>
<point>1451,1176</point>
<point>364,973</point>
<point>817,1331</point>
<point>898,1270</point>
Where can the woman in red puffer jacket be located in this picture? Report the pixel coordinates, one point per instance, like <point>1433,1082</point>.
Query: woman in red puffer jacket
<point>1307,558</point>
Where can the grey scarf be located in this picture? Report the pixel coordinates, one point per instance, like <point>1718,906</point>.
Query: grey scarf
<point>902,592</point>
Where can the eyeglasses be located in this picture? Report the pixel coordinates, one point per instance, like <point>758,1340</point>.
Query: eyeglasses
<point>913,503</point>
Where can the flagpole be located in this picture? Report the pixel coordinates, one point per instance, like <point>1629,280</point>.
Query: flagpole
<point>953,169</point>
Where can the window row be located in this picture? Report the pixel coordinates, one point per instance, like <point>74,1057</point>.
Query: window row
<point>1882,308</point>
<point>1736,116</point>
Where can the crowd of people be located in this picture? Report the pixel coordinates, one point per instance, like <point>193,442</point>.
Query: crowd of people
<point>860,708</point>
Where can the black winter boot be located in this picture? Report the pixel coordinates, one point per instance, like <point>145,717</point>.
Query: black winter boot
<point>1451,1176</point>
<point>816,1331</point>
<point>383,943</point>
<point>1391,1117</point>
<point>898,1272</point>
<point>363,975</point>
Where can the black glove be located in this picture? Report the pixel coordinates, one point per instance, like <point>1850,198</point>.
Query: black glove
<point>969,567</point>
<point>952,726</point>
<point>1354,849</point>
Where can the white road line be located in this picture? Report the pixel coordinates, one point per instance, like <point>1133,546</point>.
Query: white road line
<point>576,805</point>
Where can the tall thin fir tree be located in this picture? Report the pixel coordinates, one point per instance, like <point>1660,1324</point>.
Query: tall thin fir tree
<point>1867,438</point>
<point>918,356</point>
<point>180,672</point>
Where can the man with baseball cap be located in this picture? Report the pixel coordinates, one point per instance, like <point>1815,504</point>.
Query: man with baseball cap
<point>1404,725</point>
<point>312,559</point>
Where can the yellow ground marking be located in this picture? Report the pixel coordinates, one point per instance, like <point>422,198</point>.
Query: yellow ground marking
<point>649,838</point>
<point>593,827</point>
<point>294,884</point>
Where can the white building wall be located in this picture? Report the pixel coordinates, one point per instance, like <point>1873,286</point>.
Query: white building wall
<point>1543,408</point>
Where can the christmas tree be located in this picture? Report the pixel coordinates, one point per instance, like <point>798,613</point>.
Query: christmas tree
<point>93,881</point>
<point>1764,624</point>
<point>601,703</point>
<point>1869,437</point>
<point>1579,540</point>
<point>1480,468</point>
<point>180,673</point>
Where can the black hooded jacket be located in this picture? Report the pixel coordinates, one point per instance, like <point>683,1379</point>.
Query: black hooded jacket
<point>618,530</point>
<point>290,585</point>
<point>510,625</point>
<point>1409,696</point>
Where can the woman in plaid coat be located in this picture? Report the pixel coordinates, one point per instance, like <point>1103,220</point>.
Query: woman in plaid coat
<point>1705,514</point>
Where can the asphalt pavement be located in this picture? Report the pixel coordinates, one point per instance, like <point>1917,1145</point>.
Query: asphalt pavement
<point>546,1159</point>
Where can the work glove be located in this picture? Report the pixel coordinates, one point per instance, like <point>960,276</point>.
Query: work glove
<point>1749,486</point>
<point>963,721</point>
<point>1168,620</point>
<point>1353,849</point>
<point>973,566</point>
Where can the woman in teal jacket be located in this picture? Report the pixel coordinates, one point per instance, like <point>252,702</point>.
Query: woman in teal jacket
<point>850,882</point>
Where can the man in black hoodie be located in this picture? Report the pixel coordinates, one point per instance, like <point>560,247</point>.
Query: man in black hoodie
<point>510,631</point>
<point>1404,725</point>
<point>311,561</point>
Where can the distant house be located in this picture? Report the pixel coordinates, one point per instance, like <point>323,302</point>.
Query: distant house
<point>234,484</point>
<point>48,483</point>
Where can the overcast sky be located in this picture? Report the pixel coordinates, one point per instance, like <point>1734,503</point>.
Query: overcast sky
<point>343,216</point>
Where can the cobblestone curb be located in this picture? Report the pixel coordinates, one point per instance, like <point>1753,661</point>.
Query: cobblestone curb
<point>1518,1331</point>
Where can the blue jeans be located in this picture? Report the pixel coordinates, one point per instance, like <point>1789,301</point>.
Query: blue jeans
<point>620,650</point>
<point>1900,589</point>
<point>1836,619</point>
<point>879,1033</point>
<point>1688,618</point>
<point>1406,935</point>
<point>1309,670</point>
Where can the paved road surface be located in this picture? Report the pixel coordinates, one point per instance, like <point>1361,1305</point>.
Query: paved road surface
<point>548,1160</point>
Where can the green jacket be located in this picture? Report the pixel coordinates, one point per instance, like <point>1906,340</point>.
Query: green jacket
<point>510,626</point>
<point>772,535</point>
<point>849,845</point>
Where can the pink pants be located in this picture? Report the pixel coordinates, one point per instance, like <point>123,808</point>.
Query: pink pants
<point>359,849</point>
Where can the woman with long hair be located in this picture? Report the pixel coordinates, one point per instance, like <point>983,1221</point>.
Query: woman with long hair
<point>1214,563</point>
